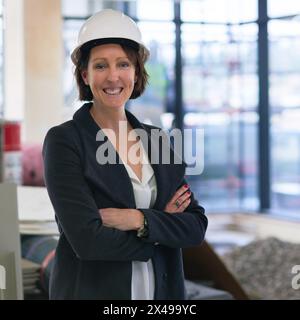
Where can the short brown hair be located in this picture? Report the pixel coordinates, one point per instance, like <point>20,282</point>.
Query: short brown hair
<point>137,57</point>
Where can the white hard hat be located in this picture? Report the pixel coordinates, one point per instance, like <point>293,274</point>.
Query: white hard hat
<point>109,26</point>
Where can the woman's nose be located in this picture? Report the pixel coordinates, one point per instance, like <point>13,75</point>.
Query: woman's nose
<point>113,74</point>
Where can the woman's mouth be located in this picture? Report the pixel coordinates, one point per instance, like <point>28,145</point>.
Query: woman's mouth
<point>113,91</point>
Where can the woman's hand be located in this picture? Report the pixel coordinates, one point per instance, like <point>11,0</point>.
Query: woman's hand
<point>179,201</point>
<point>121,219</point>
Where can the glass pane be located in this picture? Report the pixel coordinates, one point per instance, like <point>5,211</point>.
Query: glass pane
<point>220,90</point>
<point>285,111</point>
<point>75,8</point>
<point>284,42</point>
<point>156,104</point>
<point>84,8</point>
<point>285,90</point>
<point>219,10</point>
<point>70,32</point>
<point>278,8</point>
<point>284,63</point>
<point>286,159</point>
<point>244,33</point>
<point>228,181</point>
<point>219,56</point>
<point>155,9</point>
<point>204,32</point>
<point>284,29</point>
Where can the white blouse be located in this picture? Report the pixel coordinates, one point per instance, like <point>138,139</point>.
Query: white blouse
<point>145,192</point>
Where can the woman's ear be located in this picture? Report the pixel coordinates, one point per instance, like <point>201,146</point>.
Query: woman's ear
<point>84,75</point>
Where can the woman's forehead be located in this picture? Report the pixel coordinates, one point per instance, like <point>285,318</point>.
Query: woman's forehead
<point>108,50</point>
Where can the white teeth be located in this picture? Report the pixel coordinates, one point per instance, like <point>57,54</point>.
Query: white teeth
<point>112,91</point>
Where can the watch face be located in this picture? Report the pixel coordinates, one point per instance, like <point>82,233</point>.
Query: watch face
<point>143,232</point>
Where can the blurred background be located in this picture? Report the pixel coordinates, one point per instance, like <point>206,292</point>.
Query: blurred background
<point>230,67</point>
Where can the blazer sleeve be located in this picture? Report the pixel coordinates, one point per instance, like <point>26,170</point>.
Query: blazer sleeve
<point>177,230</point>
<point>75,208</point>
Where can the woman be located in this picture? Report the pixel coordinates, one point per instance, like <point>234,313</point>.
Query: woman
<point>122,222</point>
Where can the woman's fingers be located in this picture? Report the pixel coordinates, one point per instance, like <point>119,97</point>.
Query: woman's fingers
<point>179,192</point>
<point>184,204</point>
<point>179,201</point>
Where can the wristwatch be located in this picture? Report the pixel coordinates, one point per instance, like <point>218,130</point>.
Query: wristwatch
<point>143,231</point>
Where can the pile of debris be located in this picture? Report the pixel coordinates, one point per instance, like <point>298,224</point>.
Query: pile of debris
<point>266,268</point>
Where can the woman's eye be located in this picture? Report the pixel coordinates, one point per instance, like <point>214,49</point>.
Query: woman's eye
<point>124,64</point>
<point>100,66</point>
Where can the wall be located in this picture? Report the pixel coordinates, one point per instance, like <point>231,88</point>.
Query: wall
<point>33,65</point>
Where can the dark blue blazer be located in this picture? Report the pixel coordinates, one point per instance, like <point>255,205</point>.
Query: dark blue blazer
<point>93,261</point>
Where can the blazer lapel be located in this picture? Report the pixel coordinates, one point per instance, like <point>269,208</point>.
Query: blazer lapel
<point>112,179</point>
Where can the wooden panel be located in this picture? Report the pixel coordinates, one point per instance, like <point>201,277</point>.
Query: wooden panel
<point>202,263</point>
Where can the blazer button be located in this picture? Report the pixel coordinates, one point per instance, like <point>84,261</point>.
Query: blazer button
<point>165,276</point>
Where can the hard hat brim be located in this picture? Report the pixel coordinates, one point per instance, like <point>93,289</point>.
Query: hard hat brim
<point>86,47</point>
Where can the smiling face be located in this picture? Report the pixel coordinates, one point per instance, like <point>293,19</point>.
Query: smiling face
<point>110,75</point>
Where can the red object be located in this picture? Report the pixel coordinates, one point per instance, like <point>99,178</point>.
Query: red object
<point>12,136</point>
<point>32,165</point>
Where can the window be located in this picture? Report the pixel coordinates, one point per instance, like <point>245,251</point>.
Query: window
<point>220,89</point>
<point>156,104</point>
<point>285,107</point>
<point>70,31</point>
<point>220,92</point>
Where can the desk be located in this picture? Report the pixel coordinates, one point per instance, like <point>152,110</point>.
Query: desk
<point>35,211</point>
